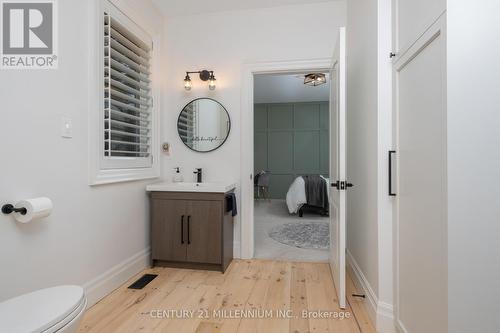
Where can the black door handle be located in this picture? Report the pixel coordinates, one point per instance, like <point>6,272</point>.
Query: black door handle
<point>341,185</point>
<point>189,228</point>
<point>182,229</point>
<point>390,173</point>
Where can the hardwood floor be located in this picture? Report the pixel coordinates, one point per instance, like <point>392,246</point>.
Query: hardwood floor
<point>184,301</point>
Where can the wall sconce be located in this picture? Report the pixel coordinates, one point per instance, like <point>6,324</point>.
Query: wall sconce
<point>204,76</point>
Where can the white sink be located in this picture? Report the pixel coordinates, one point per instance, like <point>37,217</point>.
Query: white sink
<point>213,187</point>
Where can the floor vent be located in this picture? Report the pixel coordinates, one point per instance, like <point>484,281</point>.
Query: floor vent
<point>143,281</point>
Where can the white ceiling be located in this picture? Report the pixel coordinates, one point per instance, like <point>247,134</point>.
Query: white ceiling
<point>171,8</point>
<point>279,88</point>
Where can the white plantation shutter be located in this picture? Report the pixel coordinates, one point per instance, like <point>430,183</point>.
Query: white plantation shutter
<point>128,102</point>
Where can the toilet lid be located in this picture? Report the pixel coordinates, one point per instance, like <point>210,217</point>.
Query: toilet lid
<point>40,310</point>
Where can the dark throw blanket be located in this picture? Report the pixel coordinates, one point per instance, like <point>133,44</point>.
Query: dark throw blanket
<point>316,191</point>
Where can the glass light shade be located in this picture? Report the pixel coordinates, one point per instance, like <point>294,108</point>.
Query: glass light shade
<point>187,83</point>
<point>211,83</point>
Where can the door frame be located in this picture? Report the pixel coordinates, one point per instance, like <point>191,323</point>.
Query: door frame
<point>249,70</point>
<point>338,167</point>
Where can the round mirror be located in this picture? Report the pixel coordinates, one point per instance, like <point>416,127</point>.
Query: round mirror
<point>203,125</point>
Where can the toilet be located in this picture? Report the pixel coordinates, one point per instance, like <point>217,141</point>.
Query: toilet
<point>58,309</point>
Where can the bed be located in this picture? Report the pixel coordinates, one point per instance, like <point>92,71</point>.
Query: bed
<point>308,193</point>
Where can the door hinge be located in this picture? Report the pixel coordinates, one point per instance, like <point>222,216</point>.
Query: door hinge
<point>342,185</point>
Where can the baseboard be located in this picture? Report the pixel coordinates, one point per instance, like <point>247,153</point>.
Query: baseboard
<point>401,327</point>
<point>362,283</point>
<point>113,278</point>
<point>385,318</point>
<point>381,313</point>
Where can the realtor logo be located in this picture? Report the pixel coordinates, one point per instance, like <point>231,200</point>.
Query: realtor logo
<point>28,34</point>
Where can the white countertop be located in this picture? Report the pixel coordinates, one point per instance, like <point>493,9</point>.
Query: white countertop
<point>209,187</point>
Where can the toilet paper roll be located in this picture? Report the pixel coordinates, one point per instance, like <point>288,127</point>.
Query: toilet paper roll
<point>36,208</point>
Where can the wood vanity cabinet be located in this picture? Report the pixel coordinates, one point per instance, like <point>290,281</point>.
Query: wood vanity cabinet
<point>191,230</point>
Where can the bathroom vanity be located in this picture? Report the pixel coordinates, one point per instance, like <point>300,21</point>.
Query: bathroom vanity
<point>191,225</point>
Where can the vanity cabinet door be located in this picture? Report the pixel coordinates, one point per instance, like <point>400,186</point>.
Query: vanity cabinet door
<point>205,232</point>
<point>169,240</point>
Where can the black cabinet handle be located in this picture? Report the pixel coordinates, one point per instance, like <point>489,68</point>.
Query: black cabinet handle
<point>189,229</point>
<point>390,173</point>
<point>182,229</point>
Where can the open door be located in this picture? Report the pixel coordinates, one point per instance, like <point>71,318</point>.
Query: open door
<point>337,168</point>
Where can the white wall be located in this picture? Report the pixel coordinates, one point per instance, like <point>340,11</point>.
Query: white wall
<point>91,229</point>
<point>473,166</point>
<point>193,7</point>
<point>369,138</point>
<point>362,164</point>
<point>223,42</point>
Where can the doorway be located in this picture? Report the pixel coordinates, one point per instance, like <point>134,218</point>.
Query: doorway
<point>247,136</point>
<point>336,67</point>
<point>291,166</point>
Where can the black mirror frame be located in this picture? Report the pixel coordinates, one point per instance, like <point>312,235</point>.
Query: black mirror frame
<point>228,117</point>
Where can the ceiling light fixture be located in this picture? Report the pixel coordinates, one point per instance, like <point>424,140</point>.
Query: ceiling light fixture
<point>205,75</point>
<point>315,79</point>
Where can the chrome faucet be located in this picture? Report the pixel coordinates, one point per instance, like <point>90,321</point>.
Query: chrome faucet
<point>198,173</point>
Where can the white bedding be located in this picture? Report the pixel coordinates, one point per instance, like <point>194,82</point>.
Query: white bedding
<point>296,195</point>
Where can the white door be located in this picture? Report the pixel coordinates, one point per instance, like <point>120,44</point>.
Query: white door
<point>337,167</point>
<point>420,233</point>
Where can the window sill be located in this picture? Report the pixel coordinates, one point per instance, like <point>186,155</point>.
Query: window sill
<point>103,177</point>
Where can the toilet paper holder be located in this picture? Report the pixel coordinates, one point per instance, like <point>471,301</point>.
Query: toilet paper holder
<point>9,209</point>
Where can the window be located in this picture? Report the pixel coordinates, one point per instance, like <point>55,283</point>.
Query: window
<point>126,111</point>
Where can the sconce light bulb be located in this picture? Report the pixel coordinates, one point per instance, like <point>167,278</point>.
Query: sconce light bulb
<point>211,83</point>
<point>187,83</point>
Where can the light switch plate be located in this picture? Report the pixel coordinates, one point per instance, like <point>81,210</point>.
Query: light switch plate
<point>66,127</point>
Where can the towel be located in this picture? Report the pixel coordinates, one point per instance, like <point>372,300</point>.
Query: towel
<point>231,204</point>
<point>316,191</point>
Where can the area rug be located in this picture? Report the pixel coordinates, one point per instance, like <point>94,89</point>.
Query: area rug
<point>305,235</point>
